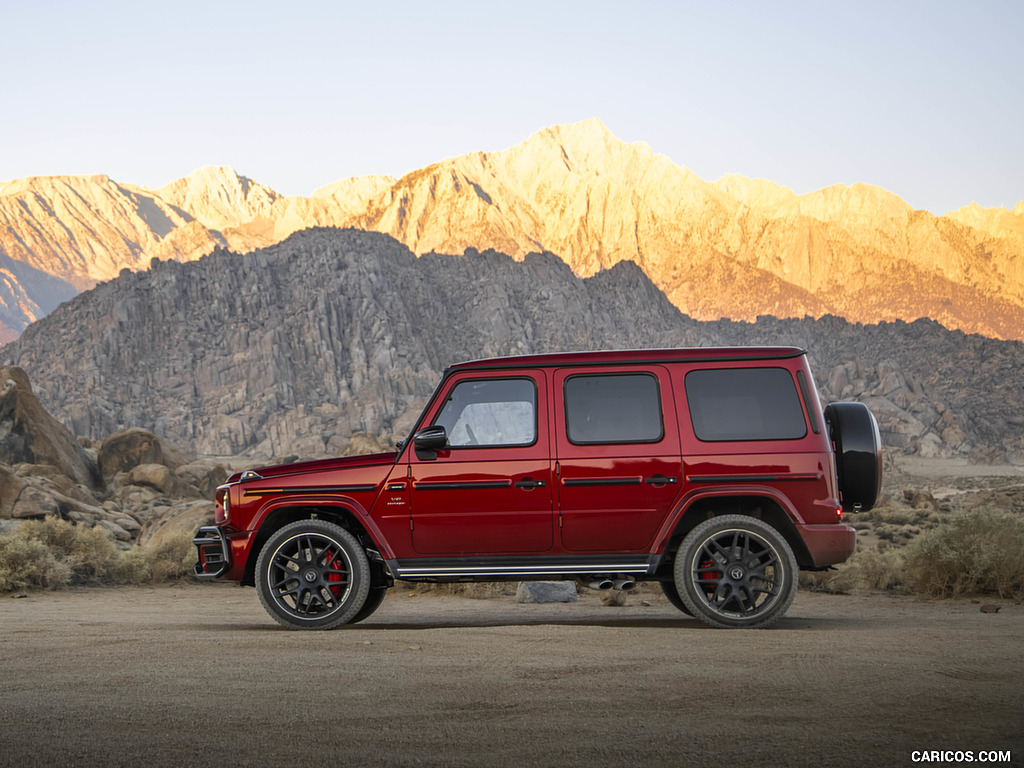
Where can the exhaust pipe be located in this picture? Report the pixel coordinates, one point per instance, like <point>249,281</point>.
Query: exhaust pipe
<point>601,584</point>
<point>624,584</point>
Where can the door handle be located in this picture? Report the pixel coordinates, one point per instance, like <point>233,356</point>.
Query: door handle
<point>660,480</point>
<point>528,482</point>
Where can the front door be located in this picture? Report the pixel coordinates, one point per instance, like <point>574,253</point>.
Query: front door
<point>489,490</point>
<point>619,468</point>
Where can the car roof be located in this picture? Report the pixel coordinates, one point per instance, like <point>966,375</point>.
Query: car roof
<point>628,356</point>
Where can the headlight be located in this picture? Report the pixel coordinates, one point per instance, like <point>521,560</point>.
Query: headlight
<point>223,501</point>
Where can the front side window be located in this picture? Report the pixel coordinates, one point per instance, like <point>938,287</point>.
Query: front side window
<point>603,409</point>
<point>490,412</point>
<point>744,404</point>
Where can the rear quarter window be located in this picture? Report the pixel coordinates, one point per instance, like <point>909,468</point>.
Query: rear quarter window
<point>729,404</point>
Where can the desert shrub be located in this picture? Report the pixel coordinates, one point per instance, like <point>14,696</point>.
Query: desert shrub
<point>977,552</point>
<point>132,567</point>
<point>95,554</point>
<point>88,553</point>
<point>168,560</point>
<point>881,568</point>
<point>171,559</point>
<point>27,563</point>
<point>51,553</point>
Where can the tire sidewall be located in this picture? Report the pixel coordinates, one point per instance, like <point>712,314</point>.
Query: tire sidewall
<point>359,575</point>
<point>694,598</point>
<point>670,591</point>
<point>373,600</point>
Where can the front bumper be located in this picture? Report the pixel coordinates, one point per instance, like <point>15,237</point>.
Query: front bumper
<point>214,552</point>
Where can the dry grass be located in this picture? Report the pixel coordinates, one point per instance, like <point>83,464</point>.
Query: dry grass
<point>880,568</point>
<point>53,553</point>
<point>977,552</point>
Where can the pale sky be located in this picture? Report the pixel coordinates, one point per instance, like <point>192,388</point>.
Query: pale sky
<point>925,99</point>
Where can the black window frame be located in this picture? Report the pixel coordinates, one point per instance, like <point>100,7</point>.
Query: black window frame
<point>797,400</point>
<point>484,446</point>
<point>614,374</point>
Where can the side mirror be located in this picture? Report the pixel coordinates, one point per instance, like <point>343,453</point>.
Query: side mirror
<point>429,440</point>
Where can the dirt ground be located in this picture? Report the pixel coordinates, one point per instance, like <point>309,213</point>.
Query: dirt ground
<point>200,675</point>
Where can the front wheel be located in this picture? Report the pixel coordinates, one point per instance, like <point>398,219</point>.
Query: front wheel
<point>735,571</point>
<point>313,574</point>
<point>669,588</point>
<point>373,600</point>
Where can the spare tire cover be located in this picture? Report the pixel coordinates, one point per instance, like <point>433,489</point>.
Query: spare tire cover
<point>857,444</point>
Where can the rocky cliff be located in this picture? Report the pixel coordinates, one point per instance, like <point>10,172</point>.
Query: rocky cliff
<point>733,248</point>
<point>331,341</point>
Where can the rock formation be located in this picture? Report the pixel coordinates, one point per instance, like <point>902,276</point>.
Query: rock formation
<point>30,435</point>
<point>735,248</point>
<point>331,341</point>
<point>45,471</point>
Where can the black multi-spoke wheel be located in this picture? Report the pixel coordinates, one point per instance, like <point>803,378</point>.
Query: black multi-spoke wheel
<point>736,571</point>
<point>313,574</point>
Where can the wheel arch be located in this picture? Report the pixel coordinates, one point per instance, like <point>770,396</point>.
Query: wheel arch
<point>758,504</point>
<point>279,516</point>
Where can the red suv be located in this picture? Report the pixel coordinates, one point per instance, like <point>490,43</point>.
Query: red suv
<point>714,472</point>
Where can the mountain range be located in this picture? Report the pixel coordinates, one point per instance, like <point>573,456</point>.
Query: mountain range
<point>734,248</point>
<point>330,342</point>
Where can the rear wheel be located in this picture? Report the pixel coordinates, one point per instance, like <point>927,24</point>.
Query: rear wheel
<point>735,571</point>
<point>373,600</point>
<point>313,574</point>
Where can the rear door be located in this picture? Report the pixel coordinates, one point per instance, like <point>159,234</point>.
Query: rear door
<point>618,466</point>
<point>489,491</point>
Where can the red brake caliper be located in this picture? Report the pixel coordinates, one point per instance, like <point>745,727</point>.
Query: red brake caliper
<point>709,579</point>
<point>333,576</point>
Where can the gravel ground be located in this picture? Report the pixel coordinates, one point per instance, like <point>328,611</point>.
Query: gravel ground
<point>200,675</point>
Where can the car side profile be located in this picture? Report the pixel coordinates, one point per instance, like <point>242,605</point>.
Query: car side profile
<point>712,471</point>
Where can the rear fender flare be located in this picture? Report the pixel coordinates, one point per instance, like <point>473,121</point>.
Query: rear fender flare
<point>689,500</point>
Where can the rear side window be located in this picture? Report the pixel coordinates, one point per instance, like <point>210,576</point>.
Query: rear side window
<point>613,409</point>
<point>490,412</point>
<point>744,404</point>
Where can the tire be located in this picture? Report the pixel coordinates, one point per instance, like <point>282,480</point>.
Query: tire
<point>373,600</point>
<point>858,446</point>
<point>736,572</point>
<point>669,588</point>
<point>313,574</point>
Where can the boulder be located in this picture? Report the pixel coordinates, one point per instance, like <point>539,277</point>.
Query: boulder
<point>51,479</point>
<point>119,533</point>
<point>203,477</point>
<point>127,449</point>
<point>28,434</point>
<point>613,597</point>
<point>11,487</point>
<point>153,475</point>
<point>35,503</point>
<point>546,592</point>
<point>184,518</point>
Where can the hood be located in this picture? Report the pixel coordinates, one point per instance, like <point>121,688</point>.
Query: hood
<point>321,465</point>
